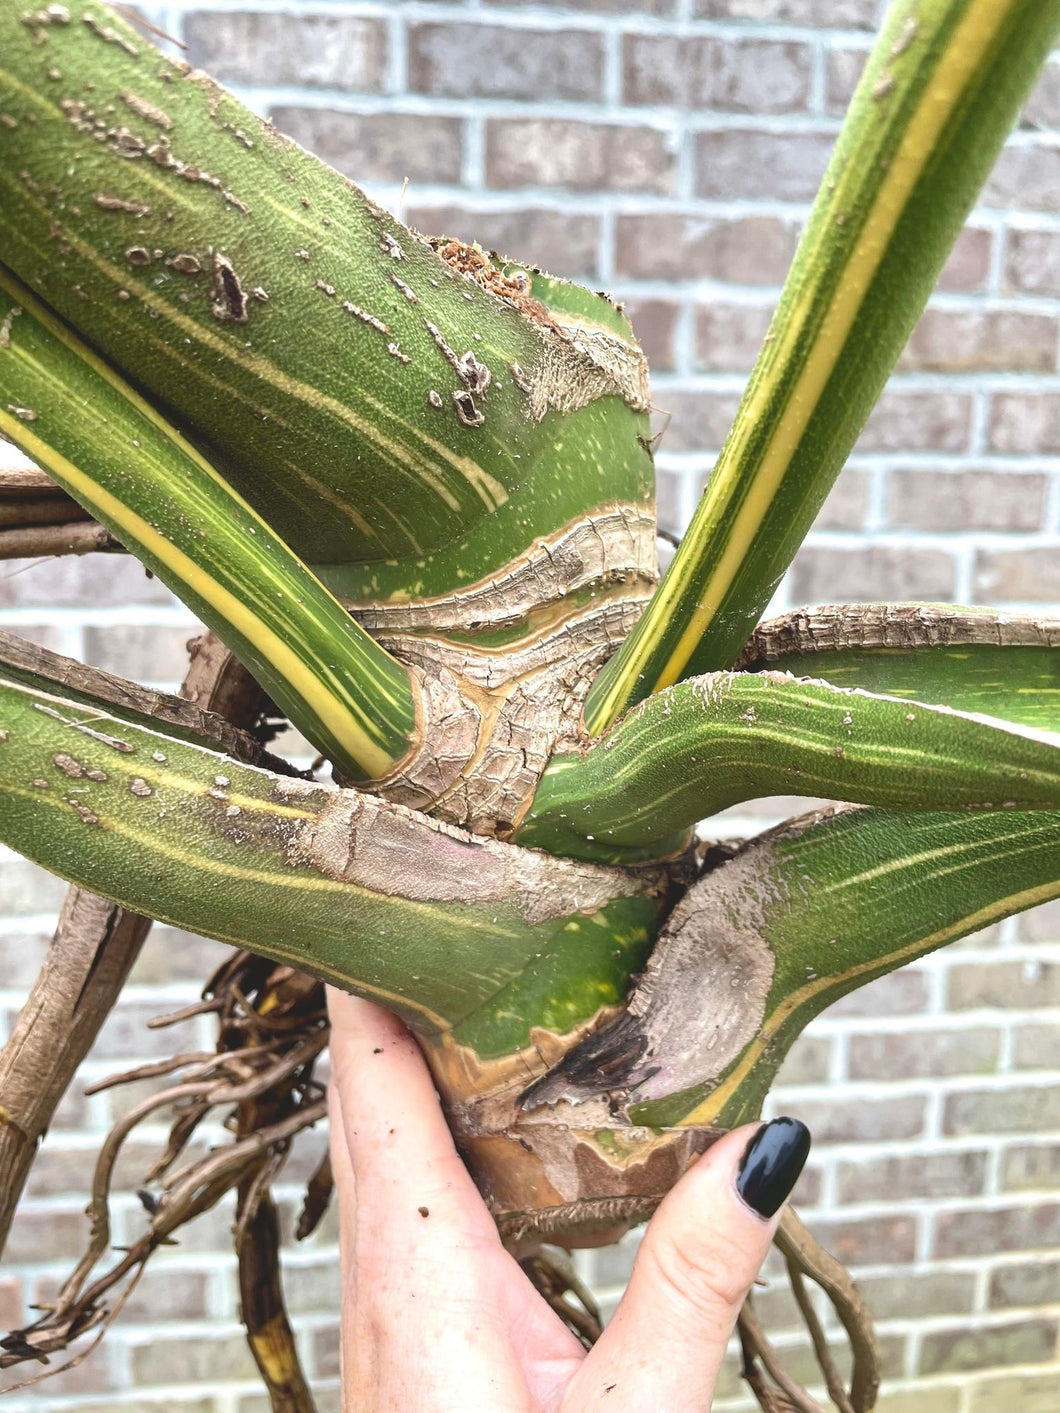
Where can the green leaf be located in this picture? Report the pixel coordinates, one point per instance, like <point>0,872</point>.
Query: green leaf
<point>123,462</point>
<point>708,743</point>
<point>436,924</point>
<point>323,352</point>
<point>798,918</point>
<point>972,659</point>
<point>943,85</point>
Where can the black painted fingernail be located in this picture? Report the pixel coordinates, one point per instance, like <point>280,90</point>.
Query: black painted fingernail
<point>771,1165</point>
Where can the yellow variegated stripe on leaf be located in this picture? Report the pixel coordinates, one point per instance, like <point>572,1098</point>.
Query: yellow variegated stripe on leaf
<point>379,899</point>
<point>945,82</point>
<point>769,938</point>
<point>121,460</point>
<point>694,749</point>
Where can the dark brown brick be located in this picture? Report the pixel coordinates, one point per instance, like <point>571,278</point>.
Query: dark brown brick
<point>668,499</point>
<point>953,1351</point>
<point>310,50</point>
<point>1004,985</point>
<point>899,1178</point>
<point>1034,1168</point>
<point>923,499</point>
<point>845,14</point>
<point>1017,1393</point>
<point>741,250</point>
<point>901,993</point>
<point>1030,574</point>
<point>1025,422</point>
<point>733,75</point>
<point>1026,176</point>
<point>869,1241</point>
<point>579,156</point>
<point>1024,1284</point>
<point>654,322</point>
<point>729,336</point>
<point>493,61</point>
<point>381,147</point>
<point>734,163</point>
<point>878,572</point>
<point>986,1233</point>
<point>565,243</point>
<point>1010,1110</point>
<point>969,340</point>
<point>924,1054</point>
<point>918,421</point>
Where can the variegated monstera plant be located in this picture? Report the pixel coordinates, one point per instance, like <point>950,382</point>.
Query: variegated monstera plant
<point>408,486</point>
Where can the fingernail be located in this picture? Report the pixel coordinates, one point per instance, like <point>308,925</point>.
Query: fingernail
<point>771,1165</point>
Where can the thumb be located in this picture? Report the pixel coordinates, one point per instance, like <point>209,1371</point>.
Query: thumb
<point>699,1258</point>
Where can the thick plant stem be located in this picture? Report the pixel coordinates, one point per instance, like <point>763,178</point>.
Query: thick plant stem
<point>94,948</point>
<point>945,82</point>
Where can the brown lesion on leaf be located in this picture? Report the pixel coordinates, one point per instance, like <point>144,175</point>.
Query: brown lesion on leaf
<point>466,411</point>
<point>229,302</point>
<point>107,202</point>
<point>474,263</point>
<point>5,327</point>
<point>150,112</point>
<point>110,35</point>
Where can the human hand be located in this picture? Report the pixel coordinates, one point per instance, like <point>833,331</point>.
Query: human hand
<point>437,1317</point>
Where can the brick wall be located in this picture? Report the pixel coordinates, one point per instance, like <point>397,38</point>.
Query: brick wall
<point>666,149</point>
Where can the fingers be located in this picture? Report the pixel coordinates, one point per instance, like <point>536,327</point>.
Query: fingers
<point>699,1257</point>
<point>400,1152</point>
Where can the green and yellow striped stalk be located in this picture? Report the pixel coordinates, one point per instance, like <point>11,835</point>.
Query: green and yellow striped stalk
<point>695,749</point>
<point>120,459</point>
<point>942,88</point>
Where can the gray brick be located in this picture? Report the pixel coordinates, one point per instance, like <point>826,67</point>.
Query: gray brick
<point>743,250</point>
<point>1037,1047</point>
<point>1027,1393</point>
<point>1035,1282</point>
<point>901,993</point>
<point>1032,261</point>
<point>924,1054</point>
<point>490,61</point>
<point>729,336</point>
<point>731,163</point>
<point>826,575</point>
<point>1041,924</point>
<point>1026,176</point>
<point>847,503</point>
<point>1031,1168</point>
<point>918,421</point>
<point>1031,573</point>
<point>603,7</point>
<point>852,1119</point>
<point>957,341</point>
<point>654,323</point>
<point>732,75</point>
<point>310,50</point>
<point>968,266</point>
<point>565,243</point>
<point>1009,1110</point>
<point>82,581</point>
<point>209,1358</point>
<point>909,1295</point>
<point>869,1241</point>
<point>382,147</point>
<point>844,14</point>
<point>906,1177</point>
<point>155,653</point>
<point>1043,106</point>
<point>1025,422</point>
<point>953,1351</point>
<point>543,152</point>
<point>698,420</point>
<point>966,499</point>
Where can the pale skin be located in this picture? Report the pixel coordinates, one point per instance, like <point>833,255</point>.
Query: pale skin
<point>438,1318</point>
